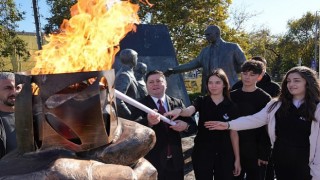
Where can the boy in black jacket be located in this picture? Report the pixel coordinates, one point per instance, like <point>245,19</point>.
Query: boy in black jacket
<point>273,89</point>
<point>265,83</point>
<point>254,144</point>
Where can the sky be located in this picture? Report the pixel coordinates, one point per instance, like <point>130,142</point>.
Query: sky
<point>27,24</point>
<point>273,14</point>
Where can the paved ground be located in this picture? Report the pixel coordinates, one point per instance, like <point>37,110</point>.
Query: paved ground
<point>187,145</point>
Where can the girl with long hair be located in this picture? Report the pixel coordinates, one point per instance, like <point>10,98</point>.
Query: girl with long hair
<point>293,126</point>
<point>215,153</point>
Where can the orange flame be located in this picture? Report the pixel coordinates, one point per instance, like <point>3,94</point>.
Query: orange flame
<point>90,39</point>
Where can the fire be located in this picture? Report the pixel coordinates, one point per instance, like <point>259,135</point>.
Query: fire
<point>90,39</point>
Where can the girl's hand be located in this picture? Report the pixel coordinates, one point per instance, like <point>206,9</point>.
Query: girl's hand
<point>216,125</point>
<point>180,126</point>
<point>173,113</point>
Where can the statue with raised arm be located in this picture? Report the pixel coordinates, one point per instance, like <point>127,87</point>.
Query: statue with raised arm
<point>218,54</point>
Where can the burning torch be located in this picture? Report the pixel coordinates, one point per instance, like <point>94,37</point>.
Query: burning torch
<point>140,106</point>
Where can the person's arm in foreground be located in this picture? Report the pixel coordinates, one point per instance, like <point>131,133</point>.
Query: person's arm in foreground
<point>182,112</point>
<point>154,119</point>
<point>242,123</point>
<point>315,164</point>
<point>235,146</point>
<point>185,112</point>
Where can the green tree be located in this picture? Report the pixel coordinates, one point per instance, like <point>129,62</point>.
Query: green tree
<point>299,41</point>
<point>263,43</point>
<point>283,51</point>
<point>60,10</point>
<point>11,45</point>
<point>187,20</point>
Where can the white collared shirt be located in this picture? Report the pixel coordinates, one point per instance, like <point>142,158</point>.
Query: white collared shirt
<point>164,101</point>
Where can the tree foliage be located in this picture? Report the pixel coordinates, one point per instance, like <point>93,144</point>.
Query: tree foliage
<point>263,43</point>
<point>60,10</point>
<point>10,44</point>
<point>281,51</point>
<point>284,51</point>
<point>299,42</point>
<point>187,20</point>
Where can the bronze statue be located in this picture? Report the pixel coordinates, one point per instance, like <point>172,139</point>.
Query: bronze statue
<point>139,72</point>
<point>219,54</point>
<point>126,82</point>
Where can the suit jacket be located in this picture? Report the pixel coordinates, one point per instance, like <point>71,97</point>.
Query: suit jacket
<point>158,155</point>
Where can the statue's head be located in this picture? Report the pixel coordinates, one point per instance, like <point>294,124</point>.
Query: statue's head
<point>129,57</point>
<point>140,70</point>
<point>212,33</point>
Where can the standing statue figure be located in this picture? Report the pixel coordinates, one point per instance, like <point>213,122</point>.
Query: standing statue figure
<point>139,72</point>
<point>219,54</point>
<point>126,82</point>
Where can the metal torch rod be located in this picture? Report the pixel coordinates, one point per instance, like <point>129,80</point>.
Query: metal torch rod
<point>140,106</point>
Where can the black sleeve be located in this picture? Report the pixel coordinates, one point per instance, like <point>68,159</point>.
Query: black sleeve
<point>2,149</point>
<point>264,145</point>
<point>234,112</point>
<point>275,89</point>
<point>140,116</point>
<point>237,85</point>
<point>193,126</point>
<point>197,102</point>
<point>2,140</point>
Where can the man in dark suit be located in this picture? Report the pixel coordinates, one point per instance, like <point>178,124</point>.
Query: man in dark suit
<point>166,156</point>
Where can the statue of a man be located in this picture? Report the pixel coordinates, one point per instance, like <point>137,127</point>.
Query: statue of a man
<point>140,71</point>
<point>126,81</point>
<point>219,54</point>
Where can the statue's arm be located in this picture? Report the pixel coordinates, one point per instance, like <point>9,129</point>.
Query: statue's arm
<point>122,84</point>
<point>193,64</point>
<point>239,59</point>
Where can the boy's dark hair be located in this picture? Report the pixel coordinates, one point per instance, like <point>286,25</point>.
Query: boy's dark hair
<point>261,59</point>
<point>255,66</point>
